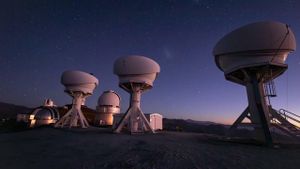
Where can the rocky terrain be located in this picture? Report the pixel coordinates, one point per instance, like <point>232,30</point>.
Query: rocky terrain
<point>49,148</point>
<point>183,144</point>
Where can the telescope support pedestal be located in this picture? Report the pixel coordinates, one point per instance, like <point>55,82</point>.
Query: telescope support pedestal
<point>257,111</point>
<point>74,117</point>
<point>134,117</point>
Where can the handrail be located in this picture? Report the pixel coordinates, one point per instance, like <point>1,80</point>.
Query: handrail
<point>284,113</point>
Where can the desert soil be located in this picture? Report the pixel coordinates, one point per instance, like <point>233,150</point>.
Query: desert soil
<point>94,148</point>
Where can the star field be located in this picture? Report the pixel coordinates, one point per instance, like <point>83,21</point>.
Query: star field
<point>40,39</point>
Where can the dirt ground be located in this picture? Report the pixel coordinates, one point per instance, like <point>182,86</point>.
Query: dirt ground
<point>94,148</point>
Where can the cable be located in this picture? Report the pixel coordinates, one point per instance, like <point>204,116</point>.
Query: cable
<point>287,90</point>
<point>281,43</point>
<point>270,83</point>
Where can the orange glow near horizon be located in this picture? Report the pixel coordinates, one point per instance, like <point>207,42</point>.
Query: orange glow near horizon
<point>225,121</point>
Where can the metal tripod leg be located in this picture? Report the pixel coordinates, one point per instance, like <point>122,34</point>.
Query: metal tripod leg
<point>123,121</point>
<point>240,119</point>
<point>146,122</point>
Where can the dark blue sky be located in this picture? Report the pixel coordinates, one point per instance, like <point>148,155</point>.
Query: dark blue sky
<point>40,39</point>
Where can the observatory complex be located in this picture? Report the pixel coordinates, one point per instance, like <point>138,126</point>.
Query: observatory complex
<point>108,106</point>
<point>136,75</point>
<point>253,56</point>
<point>79,85</point>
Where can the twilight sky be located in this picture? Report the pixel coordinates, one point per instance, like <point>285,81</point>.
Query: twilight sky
<point>40,39</point>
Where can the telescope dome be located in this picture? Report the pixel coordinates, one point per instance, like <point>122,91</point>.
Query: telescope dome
<point>255,44</point>
<point>135,65</point>
<point>136,69</point>
<point>43,114</point>
<point>109,98</point>
<point>78,81</point>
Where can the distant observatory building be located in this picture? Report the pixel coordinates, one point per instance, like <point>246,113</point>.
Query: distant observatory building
<point>136,75</point>
<point>156,121</point>
<point>108,106</point>
<point>41,116</point>
<point>79,85</point>
<point>253,56</point>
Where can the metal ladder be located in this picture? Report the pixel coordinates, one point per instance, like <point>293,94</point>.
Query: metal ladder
<point>270,89</point>
<point>269,86</point>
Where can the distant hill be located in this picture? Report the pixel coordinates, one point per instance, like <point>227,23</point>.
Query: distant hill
<point>194,126</point>
<point>201,122</point>
<point>10,111</point>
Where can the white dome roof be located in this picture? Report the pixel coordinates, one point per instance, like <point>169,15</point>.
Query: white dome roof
<point>255,45</point>
<point>257,36</point>
<point>75,80</point>
<point>109,98</point>
<point>43,114</point>
<point>75,77</point>
<point>135,65</point>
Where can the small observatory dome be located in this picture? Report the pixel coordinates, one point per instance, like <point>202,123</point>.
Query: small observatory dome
<point>78,81</point>
<point>43,115</point>
<point>109,98</point>
<point>108,105</point>
<point>257,44</point>
<point>136,69</point>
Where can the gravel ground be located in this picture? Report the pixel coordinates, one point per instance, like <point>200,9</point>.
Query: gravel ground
<point>94,148</point>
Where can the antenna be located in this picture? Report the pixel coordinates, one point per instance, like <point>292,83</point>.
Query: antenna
<point>79,85</point>
<point>136,75</point>
<point>108,105</point>
<point>247,56</point>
